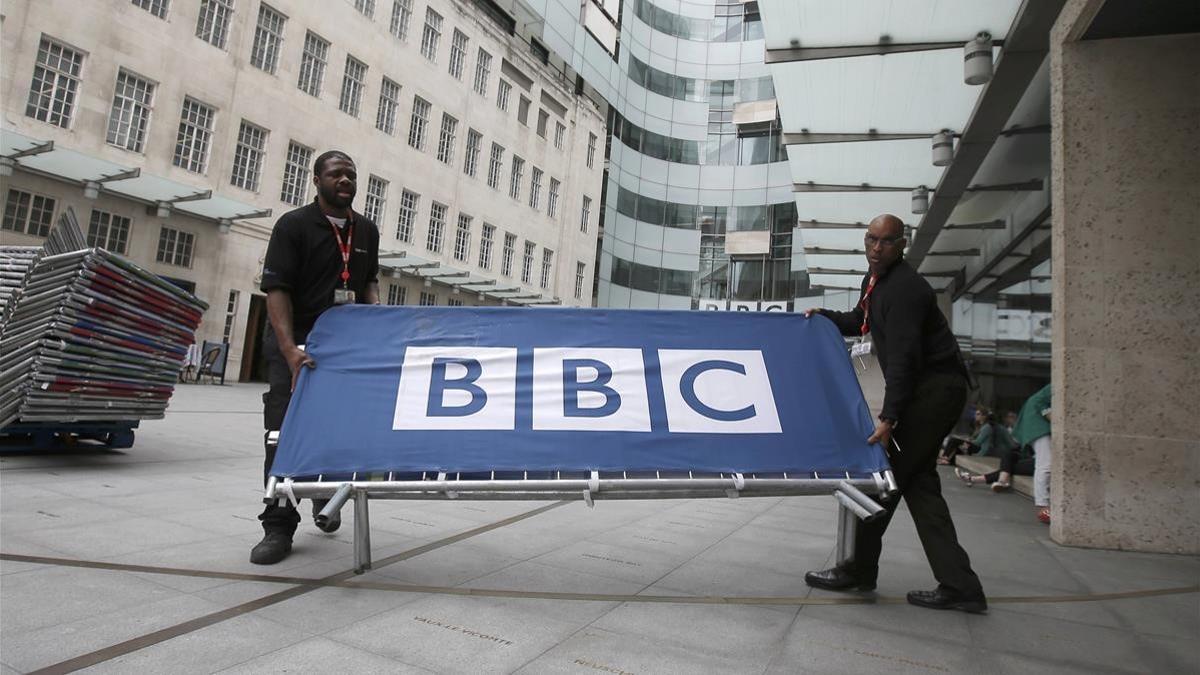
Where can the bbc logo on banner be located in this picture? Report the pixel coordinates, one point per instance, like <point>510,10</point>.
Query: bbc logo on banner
<point>585,389</point>
<point>744,305</point>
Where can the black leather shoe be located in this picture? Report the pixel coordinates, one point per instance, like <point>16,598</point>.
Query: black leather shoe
<point>838,579</point>
<point>334,522</point>
<point>945,598</point>
<point>274,547</point>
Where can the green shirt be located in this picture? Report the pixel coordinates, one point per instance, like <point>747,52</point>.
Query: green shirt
<point>993,443</point>
<point>1031,424</point>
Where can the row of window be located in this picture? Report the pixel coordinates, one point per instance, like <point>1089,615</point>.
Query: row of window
<point>691,89</point>
<point>213,25</point>
<point>435,237</point>
<point>29,213</point>
<point>733,21</point>
<point>724,147</point>
<point>708,219</point>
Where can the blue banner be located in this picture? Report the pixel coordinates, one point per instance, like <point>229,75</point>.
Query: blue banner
<point>471,389</point>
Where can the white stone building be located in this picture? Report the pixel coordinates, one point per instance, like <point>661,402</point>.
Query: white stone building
<point>476,157</point>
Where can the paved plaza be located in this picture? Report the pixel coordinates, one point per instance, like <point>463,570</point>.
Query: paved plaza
<point>137,561</point>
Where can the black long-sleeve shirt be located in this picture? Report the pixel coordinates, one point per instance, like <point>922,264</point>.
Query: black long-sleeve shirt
<point>909,334</point>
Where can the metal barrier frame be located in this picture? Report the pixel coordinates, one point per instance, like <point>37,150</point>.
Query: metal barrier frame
<point>851,494</point>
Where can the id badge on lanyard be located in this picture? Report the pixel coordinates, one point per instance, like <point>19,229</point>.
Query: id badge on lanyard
<point>344,295</point>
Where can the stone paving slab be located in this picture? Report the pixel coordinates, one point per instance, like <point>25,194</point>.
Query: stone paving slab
<point>188,493</point>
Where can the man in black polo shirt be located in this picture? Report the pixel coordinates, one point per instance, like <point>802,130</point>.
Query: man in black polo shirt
<point>320,255</point>
<point>925,388</point>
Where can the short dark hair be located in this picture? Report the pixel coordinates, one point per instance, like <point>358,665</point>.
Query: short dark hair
<point>319,165</point>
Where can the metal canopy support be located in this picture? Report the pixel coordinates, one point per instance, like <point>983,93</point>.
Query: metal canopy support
<point>1017,273</point>
<point>989,225</point>
<point>38,149</point>
<point>964,253</point>
<point>1024,51</point>
<point>114,177</point>
<point>832,187</point>
<point>261,213</point>
<point>194,197</point>
<point>793,54</point>
<point>1009,251</point>
<point>806,138</point>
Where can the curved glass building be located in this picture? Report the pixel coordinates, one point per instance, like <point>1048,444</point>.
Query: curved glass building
<point>698,204</point>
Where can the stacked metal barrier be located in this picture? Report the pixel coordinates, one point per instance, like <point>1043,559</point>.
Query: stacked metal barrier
<point>15,264</point>
<point>91,337</point>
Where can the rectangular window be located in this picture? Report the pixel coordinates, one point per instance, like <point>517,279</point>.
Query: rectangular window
<point>535,189</point>
<point>376,204</point>
<point>419,123</point>
<point>401,18</point>
<point>195,135</point>
<point>108,231</point>
<point>514,181</point>
<point>543,122</point>
<point>130,115</point>
<point>474,143</point>
<point>560,135</point>
<point>486,239</point>
<point>552,200</point>
<point>458,53</point>
<point>547,263</point>
<point>437,226</point>
<point>28,213</point>
<point>495,163</point>
<point>389,103</point>
<point>527,262</point>
<point>212,26</point>
<point>397,294</point>
<point>431,35</point>
<point>312,64</point>
<point>156,7</point>
<point>445,152</point>
<point>365,7</point>
<point>231,310</point>
<point>352,86</point>
<point>55,81</point>
<point>591,150</point>
<point>295,173</point>
<point>428,299</point>
<point>502,94</point>
<point>268,37</point>
<point>483,70</point>
<point>580,269</point>
<point>248,157</point>
<point>586,215</point>
<point>523,111</point>
<point>452,302</point>
<point>506,255</point>
<point>462,238</point>
<point>408,216</point>
<point>175,247</point>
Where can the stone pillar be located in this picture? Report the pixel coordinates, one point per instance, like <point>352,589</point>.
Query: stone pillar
<point>1126,269</point>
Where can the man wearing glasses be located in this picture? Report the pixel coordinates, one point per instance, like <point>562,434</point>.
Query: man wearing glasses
<point>925,388</point>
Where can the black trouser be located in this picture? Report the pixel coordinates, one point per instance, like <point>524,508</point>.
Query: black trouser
<point>1013,464</point>
<point>935,407</point>
<point>275,402</point>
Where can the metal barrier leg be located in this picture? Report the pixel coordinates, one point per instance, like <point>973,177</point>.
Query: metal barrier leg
<point>847,529</point>
<point>362,533</point>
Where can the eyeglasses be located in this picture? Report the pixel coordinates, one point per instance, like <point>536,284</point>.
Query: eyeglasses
<point>870,241</point>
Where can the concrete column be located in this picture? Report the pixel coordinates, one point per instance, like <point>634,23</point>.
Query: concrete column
<point>1126,269</point>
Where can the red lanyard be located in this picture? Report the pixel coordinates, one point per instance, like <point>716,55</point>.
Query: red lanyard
<point>865,303</point>
<point>345,249</point>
